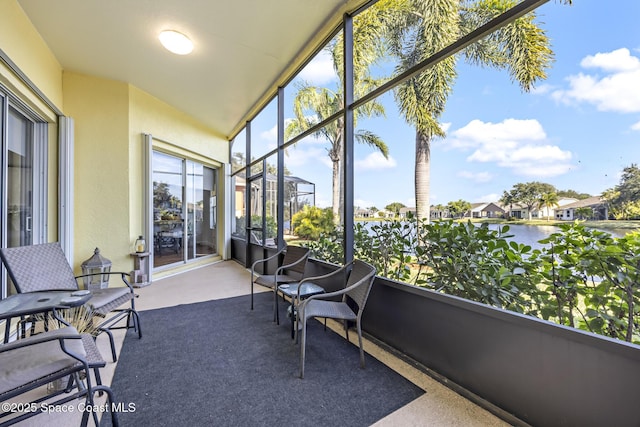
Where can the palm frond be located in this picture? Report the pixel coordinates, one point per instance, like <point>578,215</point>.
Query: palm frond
<point>372,140</point>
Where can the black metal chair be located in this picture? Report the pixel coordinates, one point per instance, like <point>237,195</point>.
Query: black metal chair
<point>358,279</point>
<point>291,263</point>
<point>44,267</point>
<point>33,362</point>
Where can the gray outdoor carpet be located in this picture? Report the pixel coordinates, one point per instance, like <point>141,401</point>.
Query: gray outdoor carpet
<point>217,363</point>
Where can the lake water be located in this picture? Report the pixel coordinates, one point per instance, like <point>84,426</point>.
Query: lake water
<point>531,234</point>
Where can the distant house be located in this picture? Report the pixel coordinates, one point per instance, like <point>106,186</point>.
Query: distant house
<point>598,206</point>
<point>402,213</point>
<point>521,211</point>
<point>363,213</point>
<point>435,213</point>
<point>486,210</point>
<point>549,212</point>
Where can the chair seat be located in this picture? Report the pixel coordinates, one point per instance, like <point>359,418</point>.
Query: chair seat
<point>27,364</point>
<point>331,309</point>
<point>105,300</point>
<point>269,280</point>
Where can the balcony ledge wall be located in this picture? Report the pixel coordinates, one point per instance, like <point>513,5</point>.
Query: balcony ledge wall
<point>542,373</point>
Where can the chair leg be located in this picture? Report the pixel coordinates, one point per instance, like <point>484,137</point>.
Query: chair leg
<point>360,344</point>
<point>107,390</point>
<point>275,305</point>
<point>303,342</point>
<point>136,322</point>
<point>111,342</point>
<point>251,290</point>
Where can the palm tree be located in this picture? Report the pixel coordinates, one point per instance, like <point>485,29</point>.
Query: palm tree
<point>424,27</point>
<point>508,199</point>
<point>548,200</point>
<point>313,104</point>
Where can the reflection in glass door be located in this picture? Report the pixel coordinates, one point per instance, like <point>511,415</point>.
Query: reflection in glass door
<point>184,209</point>
<point>201,210</point>
<point>168,215</point>
<point>22,144</point>
<point>19,180</point>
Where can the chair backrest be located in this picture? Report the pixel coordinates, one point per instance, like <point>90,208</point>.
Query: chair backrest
<point>362,276</point>
<point>293,254</point>
<point>40,267</point>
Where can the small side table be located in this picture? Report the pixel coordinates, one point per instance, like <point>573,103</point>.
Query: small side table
<point>306,290</point>
<point>140,274</point>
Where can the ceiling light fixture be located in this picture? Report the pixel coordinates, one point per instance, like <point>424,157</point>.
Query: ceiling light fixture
<point>176,42</point>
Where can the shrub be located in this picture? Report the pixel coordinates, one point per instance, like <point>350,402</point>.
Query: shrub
<point>312,221</point>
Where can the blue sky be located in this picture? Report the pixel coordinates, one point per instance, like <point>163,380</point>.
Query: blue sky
<point>577,130</point>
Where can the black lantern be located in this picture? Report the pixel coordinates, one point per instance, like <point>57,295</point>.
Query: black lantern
<point>96,266</point>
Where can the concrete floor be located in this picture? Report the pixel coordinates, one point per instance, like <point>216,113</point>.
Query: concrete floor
<point>439,406</point>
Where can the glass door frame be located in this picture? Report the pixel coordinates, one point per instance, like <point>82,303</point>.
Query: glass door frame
<point>37,139</point>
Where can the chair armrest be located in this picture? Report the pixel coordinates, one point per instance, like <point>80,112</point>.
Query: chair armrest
<point>341,270</point>
<point>123,276</point>
<point>37,339</point>
<point>284,267</point>
<point>49,337</point>
<point>266,259</point>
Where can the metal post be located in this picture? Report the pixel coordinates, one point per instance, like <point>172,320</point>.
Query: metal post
<point>280,171</point>
<point>348,138</point>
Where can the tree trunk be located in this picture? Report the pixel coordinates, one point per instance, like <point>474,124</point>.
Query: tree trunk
<point>422,172</point>
<point>335,154</point>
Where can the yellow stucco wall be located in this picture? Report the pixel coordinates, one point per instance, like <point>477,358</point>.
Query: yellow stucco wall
<point>100,109</point>
<point>23,44</point>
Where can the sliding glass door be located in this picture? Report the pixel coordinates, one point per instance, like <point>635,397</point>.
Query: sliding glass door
<point>22,204</point>
<point>184,209</point>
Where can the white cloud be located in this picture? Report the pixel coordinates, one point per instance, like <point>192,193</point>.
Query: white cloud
<point>505,133</point>
<point>320,70</point>
<point>518,145</point>
<point>542,89</point>
<point>270,137</point>
<point>375,161</point>
<point>617,60</point>
<point>476,176</point>
<point>618,90</point>
<point>635,126</point>
<point>298,156</point>
<point>364,204</point>
<point>493,197</point>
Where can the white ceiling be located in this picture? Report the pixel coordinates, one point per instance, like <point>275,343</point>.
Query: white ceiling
<point>242,47</point>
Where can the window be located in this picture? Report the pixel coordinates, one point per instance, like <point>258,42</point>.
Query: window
<point>184,209</point>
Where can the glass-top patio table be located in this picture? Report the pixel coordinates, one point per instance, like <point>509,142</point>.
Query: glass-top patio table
<point>306,290</point>
<point>26,304</point>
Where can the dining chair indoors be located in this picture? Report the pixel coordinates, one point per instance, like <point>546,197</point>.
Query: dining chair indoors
<point>44,267</point>
<point>358,279</point>
<point>291,262</point>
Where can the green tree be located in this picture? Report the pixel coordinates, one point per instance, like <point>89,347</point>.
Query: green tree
<point>394,207</point>
<point>420,28</point>
<point>530,193</point>
<point>572,194</point>
<point>508,199</point>
<point>313,104</point>
<point>584,213</point>
<point>458,208</point>
<point>624,198</point>
<point>548,200</point>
